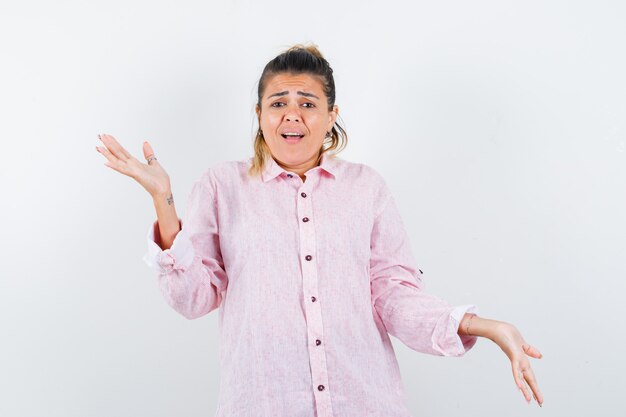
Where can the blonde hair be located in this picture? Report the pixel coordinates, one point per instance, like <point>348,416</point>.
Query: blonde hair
<point>299,59</point>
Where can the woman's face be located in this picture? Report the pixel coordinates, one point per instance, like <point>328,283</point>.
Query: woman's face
<point>296,104</point>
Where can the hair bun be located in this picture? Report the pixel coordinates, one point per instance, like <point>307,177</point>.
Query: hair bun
<point>311,48</point>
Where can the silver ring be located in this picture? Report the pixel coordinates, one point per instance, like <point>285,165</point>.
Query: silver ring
<point>150,158</point>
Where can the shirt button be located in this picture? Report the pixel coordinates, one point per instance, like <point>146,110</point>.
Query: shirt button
<point>308,257</point>
<point>313,299</point>
<point>306,219</point>
<point>303,194</point>
<point>320,388</point>
<point>318,342</point>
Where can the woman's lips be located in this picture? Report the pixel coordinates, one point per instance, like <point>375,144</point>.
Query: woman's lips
<point>292,139</point>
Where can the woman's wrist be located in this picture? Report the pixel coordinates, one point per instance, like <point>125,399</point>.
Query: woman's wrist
<point>473,325</point>
<point>163,194</point>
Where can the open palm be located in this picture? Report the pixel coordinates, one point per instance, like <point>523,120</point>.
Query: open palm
<point>152,177</point>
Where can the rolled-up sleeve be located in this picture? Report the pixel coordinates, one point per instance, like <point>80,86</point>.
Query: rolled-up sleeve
<point>422,321</point>
<point>191,274</point>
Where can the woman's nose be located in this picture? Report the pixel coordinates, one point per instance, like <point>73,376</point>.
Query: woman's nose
<point>292,114</point>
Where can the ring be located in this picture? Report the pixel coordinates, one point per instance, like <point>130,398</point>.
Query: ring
<point>150,158</point>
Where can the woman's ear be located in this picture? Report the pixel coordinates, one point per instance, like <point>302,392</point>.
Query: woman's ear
<point>333,116</point>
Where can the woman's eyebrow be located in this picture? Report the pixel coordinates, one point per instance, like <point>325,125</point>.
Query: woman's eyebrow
<point>300,93</point>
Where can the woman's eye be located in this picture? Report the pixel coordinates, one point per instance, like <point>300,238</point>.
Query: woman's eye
<point>280,104</point>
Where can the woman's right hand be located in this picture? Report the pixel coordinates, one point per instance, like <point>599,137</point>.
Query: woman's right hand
<point>152,177</point>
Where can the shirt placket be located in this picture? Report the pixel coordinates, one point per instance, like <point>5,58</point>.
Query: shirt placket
<point>313,304</point>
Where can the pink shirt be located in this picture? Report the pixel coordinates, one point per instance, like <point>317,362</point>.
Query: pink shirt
<point>310,277</point>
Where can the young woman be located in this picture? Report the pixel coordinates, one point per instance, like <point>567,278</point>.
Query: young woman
<point>307,258</point>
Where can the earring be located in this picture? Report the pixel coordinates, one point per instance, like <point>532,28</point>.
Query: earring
<point>328,134</point>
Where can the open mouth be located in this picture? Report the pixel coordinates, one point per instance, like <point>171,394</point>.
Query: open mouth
<point>292,136</point>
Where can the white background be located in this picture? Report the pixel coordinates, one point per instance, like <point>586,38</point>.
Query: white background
<point>500,127</point>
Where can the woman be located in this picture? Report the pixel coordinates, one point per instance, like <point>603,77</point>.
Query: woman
<point>307,257</point>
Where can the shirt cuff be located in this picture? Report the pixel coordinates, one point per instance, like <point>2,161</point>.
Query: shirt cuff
<point>178,257</point>
<point>463,342</point>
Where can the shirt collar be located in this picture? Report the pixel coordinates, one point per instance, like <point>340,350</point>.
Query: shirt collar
<point>327,163</point>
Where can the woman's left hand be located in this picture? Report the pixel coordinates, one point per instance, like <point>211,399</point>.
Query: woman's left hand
<point>509,339</point>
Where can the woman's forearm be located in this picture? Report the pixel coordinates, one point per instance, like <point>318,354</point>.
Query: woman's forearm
<point>478,326</point>
<point>169,225</point>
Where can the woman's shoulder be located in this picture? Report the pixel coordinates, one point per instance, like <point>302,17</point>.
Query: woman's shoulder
<point>359,171</point>
<point>226,172</point>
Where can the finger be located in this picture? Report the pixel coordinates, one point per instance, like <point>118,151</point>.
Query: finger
<point>108,155</point>
<point>113,162</point>
<point>532,351</point>
<point>529,375</point>
<point>114,147</point>
<point>148,152</point>
<point>107,148</point>
<point>519,381</point>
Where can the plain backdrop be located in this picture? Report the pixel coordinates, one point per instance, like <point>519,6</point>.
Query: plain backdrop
<point>500,127</point>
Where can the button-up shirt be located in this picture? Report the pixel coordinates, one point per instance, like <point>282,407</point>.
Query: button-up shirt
<point>310,278</point>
